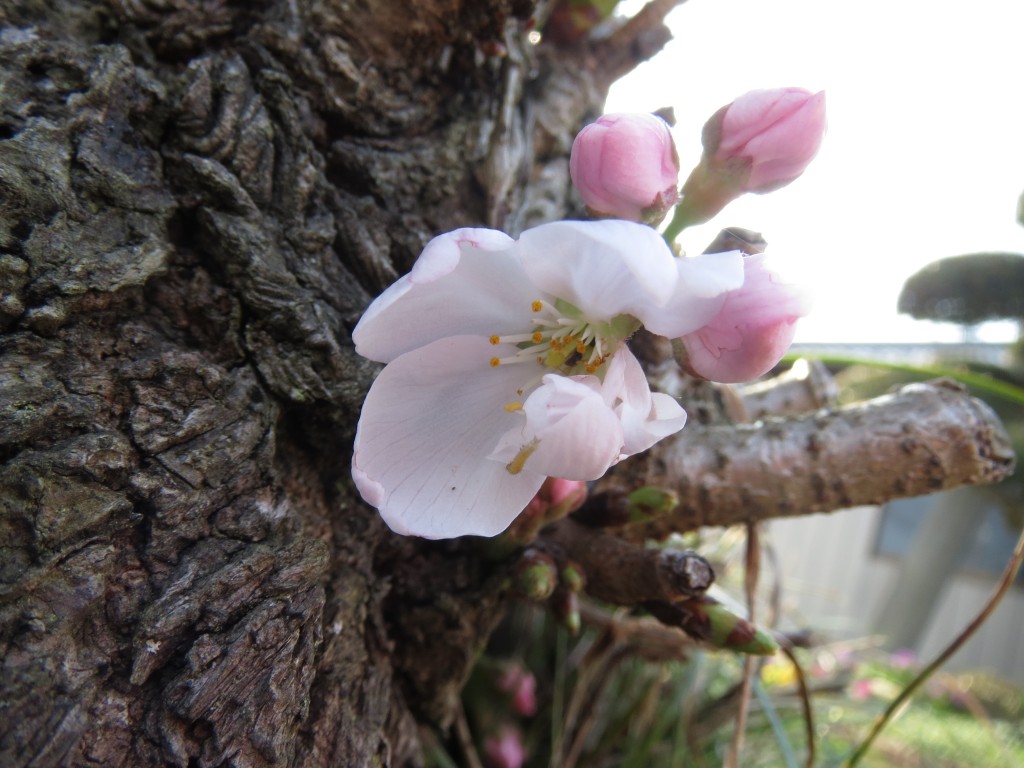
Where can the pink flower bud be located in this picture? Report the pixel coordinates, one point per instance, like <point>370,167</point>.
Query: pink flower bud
<point>775,133</point>
<point>625,166</point>
<point>522,685</point>
<point>564,496</point>
<point>752,330</point>
<point>505,750</point>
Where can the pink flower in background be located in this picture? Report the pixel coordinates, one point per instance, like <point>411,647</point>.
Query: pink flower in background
<point>625,166</point>
<point>751,332</point>
<point>775,133</point>
<point>521,683</point>
<point>507,364</point>
<point>505,750</point>
<point>861,690</point>
<point>903,658</point>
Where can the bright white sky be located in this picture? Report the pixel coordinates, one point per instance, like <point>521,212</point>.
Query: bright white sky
<point>924,155</point>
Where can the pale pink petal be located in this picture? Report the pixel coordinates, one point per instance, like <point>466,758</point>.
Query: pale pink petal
<point>751,332</point>
<point>755,112</point>
<point>426,428</point>
<point>604,268</point>
<point>567,430</point>
<point>700,290</point>
<point>469,284</point>
<point>442,254</point>
<point>646,417</point>
<point>505,749</point>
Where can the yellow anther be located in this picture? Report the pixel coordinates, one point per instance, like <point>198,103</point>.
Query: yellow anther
<point>538,337</point>
<point>537,306</point>
<point>515,466</point>
<point>495,339</point>
<point>581,347</point>
<point>495,362</point>
<point>513,407</point>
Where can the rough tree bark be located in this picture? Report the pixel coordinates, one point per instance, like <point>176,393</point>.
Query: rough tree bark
<point>197,200</point>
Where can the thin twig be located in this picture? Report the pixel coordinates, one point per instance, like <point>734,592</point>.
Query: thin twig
<point>583,708</point>
<point>1009,573</point>
<point>751,572</point>
<point>805,701</point>
<point>465,739</point>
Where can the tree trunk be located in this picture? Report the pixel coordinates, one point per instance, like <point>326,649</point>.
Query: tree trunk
<point>198,198</point>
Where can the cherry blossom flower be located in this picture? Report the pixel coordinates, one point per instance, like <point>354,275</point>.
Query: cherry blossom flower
<point>752,330</point>
<point>506,364</point>
<point>505,749</point>
<point>520,683</point>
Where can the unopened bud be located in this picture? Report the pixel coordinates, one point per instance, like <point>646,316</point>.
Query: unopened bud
<point>535,575</point>
<point>650,502</point>
<point>750,333</point>
<point>625,166</point>
<point>704,618</point>
<point>572,577</point>
<point>727,630</point>
<point>774,133</point>
<point>761,141</point>
<point>566,606</point>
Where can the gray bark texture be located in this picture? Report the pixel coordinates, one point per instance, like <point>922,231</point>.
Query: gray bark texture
<point>198,198</point>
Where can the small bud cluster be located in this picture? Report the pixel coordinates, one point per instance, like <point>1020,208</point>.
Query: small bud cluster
<point>626,166</point>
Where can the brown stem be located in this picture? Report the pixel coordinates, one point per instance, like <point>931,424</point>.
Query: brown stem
<point>924,438</point>
<point>750,577</point>
<point>624,573</point>
<point>805,701</point>
<point>650,639</point>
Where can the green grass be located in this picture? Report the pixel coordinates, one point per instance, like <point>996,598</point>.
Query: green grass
<point>669,715</point>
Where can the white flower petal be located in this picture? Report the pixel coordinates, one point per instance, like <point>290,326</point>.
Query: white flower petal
<point>442,254</point>
<point>427,425</point>
<point>469,284</point>
<point>646,417</point>
<point>605,268</point>
<point>568,430</point>
<point>703,282</point>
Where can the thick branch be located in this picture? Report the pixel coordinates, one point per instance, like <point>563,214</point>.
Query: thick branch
<point>623,573</point>
<point>925,438</point>
<point>805,387</point>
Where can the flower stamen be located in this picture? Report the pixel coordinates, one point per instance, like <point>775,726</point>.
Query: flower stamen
<point>515,466</point>
<point>561,339</point>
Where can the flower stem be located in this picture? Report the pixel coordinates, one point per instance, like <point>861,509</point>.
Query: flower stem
<point>704,194</point>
